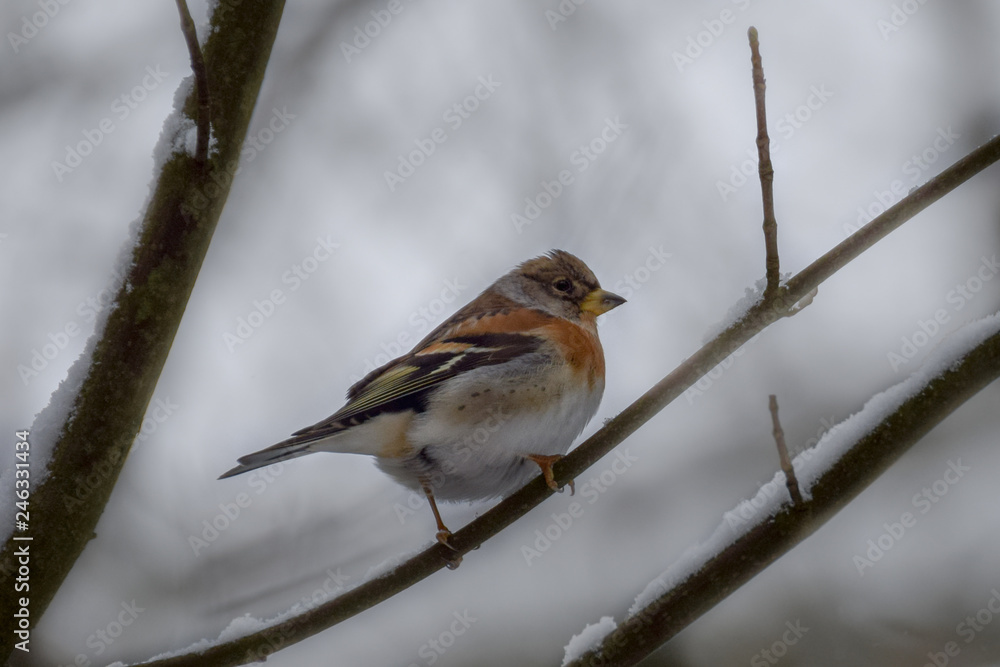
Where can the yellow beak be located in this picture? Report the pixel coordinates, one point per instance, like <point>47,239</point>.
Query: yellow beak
<point>600,301</point>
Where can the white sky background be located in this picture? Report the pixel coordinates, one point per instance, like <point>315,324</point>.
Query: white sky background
<point>450,224</point>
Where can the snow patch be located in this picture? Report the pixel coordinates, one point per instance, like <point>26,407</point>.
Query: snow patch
<point>237,628</point>
<point>813,463</point>
<point>179,134</point>
<point>751,297</point>
<point>590,638</point>
<point>749,513</point>
<point>50,421</point>
<point>389,564</point>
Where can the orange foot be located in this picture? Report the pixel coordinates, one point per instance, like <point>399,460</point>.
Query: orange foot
<point>443,534</point>
<point>545,463</point>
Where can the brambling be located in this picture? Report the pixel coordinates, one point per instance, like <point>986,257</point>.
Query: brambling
<point>492,395</point>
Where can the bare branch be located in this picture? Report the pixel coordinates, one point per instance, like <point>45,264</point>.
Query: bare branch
<point>764,168</point>
<point>786,463</point>
<point>919,199</point>
<point>204,115</point>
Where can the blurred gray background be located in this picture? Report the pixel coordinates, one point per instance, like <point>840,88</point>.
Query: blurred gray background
<point>865,99</point>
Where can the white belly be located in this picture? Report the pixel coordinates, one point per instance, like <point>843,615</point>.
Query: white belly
<point>477,452</point>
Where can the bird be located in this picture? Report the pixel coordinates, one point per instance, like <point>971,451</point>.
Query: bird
<point>494,395</point>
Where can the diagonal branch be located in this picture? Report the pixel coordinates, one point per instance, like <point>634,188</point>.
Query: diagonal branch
<point>94,416</point>
<point>919,199</point>
<point>924,402</point>
<point>753,321</point>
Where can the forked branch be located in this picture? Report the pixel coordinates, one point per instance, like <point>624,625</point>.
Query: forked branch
<point>203,118</point>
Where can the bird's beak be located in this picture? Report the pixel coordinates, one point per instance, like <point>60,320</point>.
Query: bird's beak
<point>600,301</point>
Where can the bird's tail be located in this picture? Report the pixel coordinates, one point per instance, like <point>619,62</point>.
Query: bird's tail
<point>287,449</point>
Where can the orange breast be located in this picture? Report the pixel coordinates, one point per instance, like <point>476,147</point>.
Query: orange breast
<point>581,347</point>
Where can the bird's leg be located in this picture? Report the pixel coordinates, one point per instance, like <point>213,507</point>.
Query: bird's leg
<point>545,463</point>
<point>443,533</point>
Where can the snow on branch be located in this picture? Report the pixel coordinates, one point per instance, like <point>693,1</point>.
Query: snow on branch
<point>848,458</point>
<point>96,413</point>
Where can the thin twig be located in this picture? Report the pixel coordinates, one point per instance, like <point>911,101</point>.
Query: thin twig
<point>786,463</point>
<point>764,168</point>
<point>204,119</point>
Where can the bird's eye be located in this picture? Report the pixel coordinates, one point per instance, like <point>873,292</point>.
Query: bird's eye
<point>562,285</point>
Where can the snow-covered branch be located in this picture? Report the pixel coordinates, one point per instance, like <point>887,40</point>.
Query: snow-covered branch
<point>852,455</point>
<point>79,443</point>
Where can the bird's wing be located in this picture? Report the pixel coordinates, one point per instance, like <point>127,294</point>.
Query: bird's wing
<point>406,384</point>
